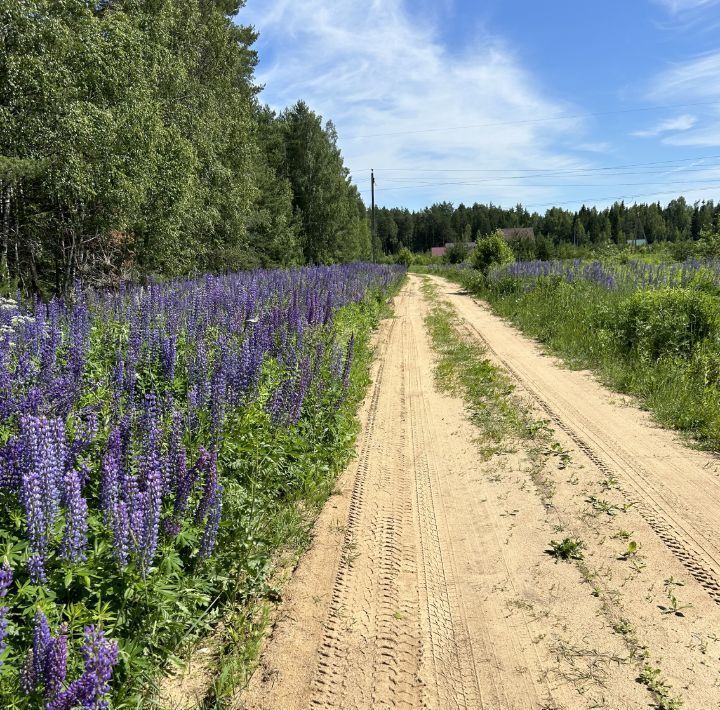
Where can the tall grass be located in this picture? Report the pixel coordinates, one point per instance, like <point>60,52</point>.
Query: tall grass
<point>656,339</point>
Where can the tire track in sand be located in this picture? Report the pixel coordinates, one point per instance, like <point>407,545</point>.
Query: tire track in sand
<point>674,488</point>
<point>431,606</point>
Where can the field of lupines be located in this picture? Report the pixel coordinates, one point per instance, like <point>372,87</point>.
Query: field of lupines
<point>631,275</point>
<point>149,436</point>
<point>649,329</point>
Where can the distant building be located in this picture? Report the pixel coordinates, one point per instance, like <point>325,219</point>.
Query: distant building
<point>510,234</point>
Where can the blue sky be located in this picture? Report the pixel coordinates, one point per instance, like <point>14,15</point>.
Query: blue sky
<point>506,101</point>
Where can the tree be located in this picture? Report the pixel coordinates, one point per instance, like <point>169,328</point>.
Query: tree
<point>490,251</point>
<point>331,215</point>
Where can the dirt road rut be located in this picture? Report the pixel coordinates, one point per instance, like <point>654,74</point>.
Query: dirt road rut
<point>429,585</point>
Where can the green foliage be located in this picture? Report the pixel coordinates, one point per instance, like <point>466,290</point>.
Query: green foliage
<point>560,233</point>
<point>132,144</point>
<point>463,368</point>
<point>651,677</point>
<point>456,254</point>
<point>670,321</point>
<point>570,548</point>
<point>274,479</point>
<point>333,224</point>
<point>670,361</point>
<point>490,251</point>
<point>405,257</point>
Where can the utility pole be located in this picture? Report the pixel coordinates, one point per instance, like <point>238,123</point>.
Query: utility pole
<point>374,226</point>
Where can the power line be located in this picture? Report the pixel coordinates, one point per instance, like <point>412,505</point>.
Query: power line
<point>615,198</point>
<point>493,180</point>
<point>566,185</point>
<point>618,197</point>
<point>534,170</point>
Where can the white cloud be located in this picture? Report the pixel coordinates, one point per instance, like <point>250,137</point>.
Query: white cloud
<point>695,81</point>
<point>698,79</point>
<point>708,136</point>
<point>677,7</point>
<point>404,104</point>
<point>679,123</point>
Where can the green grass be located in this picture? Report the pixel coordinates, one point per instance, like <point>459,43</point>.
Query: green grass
<point>583,323</point>
<point>464,370</point>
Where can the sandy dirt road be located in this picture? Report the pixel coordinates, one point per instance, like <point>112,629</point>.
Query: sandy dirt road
<point>429,584</point>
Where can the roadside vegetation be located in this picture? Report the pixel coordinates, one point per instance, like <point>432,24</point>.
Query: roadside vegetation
<point>160,445</point>
<point>651,330</point>
<point>133,145</point>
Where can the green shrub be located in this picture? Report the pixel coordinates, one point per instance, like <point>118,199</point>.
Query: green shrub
<point>665,321</point>
<point>474,281</point>
<point>490,251</point>
<point>456,254</point>
<point>404,256</point>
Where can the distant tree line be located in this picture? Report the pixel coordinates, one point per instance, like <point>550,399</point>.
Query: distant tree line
<point>133,143</point>
<point>443,223</point>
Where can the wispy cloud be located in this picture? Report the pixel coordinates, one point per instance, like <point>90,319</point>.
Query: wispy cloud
<point>677,7</point>
<point>406,106</point>
<point>679,123</point>
<point>696,80</point>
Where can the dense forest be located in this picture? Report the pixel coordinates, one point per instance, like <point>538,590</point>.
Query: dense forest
<point>442,223</point>
<point>133,144</point>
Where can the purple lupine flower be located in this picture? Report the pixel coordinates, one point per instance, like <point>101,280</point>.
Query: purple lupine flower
<point>43,457</point>
<point>302,384</point>
<point>10,457</point>
<point>42,639</point>
<point>217,400</point>
<point>6,578</point>
<point>28,679</point>
<point>151,525</point>
<point>210,486</point>
<point>168,355</point>
<point>55,666</point>
<point>212,525</point>
<point>74,539</point>
<point>113,496</point>
<point>90,689</point>
<point>185,485</point>
<point>147,505</point>
<point>85,433</point>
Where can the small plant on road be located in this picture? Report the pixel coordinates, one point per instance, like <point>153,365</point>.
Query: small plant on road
<point>631,550</point>
<point>570,548</point>
<point>650,678</point>
<point>674,606</point>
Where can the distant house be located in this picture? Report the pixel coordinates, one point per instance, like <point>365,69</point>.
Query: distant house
<point>510,234</point>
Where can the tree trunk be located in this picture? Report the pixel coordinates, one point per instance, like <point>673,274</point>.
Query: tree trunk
<point>5,203</point>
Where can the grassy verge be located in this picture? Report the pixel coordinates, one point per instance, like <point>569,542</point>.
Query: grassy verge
<point>281,484</point>
<point>586,325</point>
<point>462,369</point>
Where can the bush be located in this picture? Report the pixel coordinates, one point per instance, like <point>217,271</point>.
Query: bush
<point>490,251</point>
<point>665,321</point>
<point>457,253</point>
<point>405,257</point>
